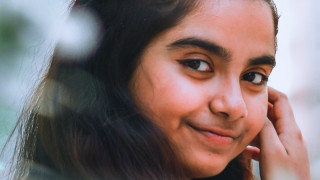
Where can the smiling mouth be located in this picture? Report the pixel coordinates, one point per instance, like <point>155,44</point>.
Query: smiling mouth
<point>216,136</point>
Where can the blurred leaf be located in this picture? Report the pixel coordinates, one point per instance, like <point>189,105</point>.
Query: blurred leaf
<point>14,28</point>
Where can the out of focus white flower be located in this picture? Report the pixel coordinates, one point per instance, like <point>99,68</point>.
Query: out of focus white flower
<point>79,36</point>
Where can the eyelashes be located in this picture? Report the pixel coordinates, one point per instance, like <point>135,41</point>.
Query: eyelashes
<point>255,78</point>
<point>197,65</point>
<point>202,66</point>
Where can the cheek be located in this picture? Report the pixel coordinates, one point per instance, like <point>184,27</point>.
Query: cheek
<point>257,108</point>
<point>172,100</point>
<point>166,97</point>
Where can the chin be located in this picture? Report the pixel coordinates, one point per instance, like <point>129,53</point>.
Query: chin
<point>208,170</point>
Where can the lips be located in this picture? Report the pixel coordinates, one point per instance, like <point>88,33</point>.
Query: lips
<point>215,135</point>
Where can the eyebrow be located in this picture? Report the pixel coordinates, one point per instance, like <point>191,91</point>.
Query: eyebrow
<point>263,60</point>
<point>220,51</point>
<point>203,44</point>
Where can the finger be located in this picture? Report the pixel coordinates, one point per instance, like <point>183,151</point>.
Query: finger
<point>271,115</point>
<point>280,104</point>
<point>280,113</point>
<point>270,143</point>
<point>276,159</point>
<point>251,153</point>
<point>283,119</point>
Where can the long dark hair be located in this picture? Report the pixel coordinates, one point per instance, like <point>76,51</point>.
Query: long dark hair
<point>82,123</point>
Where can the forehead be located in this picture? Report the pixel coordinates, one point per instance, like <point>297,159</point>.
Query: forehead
<point>233,24</point>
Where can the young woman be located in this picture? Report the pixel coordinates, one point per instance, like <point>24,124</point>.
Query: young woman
<point>177,89</point>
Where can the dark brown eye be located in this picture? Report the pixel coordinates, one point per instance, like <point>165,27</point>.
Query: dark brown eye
<point>255,78</point>
<point>193,64</point>
<point>198,65</point>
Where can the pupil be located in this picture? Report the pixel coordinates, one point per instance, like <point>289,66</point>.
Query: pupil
<point>194,64</point>
<point>249,76</point>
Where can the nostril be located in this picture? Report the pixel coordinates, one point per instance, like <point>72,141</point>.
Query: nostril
<point>224,114</point>
<point>229,107</point>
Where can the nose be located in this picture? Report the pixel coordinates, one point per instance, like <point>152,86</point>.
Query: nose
<point>228,102</point>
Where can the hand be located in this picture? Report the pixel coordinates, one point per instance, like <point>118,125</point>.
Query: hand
<point>282,151</point>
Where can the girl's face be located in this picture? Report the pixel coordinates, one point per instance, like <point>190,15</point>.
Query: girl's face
<point>203,82</point>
